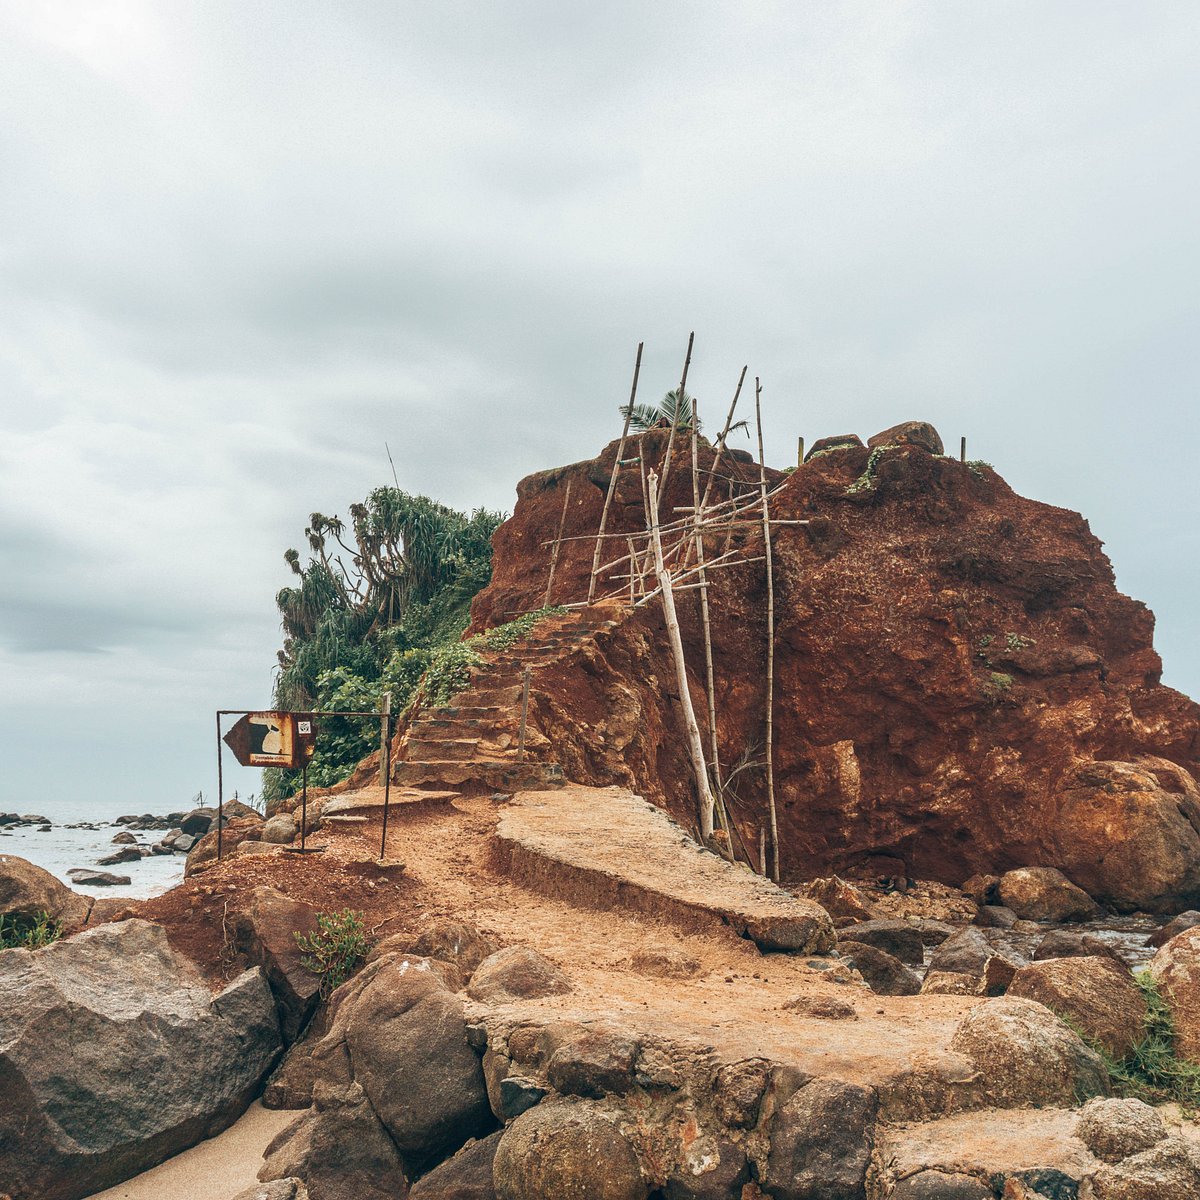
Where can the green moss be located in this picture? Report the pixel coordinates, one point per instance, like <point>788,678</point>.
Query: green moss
<point>867,479</point>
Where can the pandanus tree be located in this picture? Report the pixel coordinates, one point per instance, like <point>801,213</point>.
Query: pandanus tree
<point>361,579</point>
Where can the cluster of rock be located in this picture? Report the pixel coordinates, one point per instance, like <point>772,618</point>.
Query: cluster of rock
<point>17,820</point>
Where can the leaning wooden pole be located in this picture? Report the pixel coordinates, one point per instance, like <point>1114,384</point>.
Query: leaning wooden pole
<point>562,522</point>
<point>666,462</point>
<point>712,478</point>
<point>695,746</point>
<point>766,527</point>
<point>612,483</point>
<point>710,688</point>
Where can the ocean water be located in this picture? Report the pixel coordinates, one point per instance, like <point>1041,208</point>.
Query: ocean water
<point>61,848</point>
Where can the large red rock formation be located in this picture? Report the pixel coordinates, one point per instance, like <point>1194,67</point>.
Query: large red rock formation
<point>960,687</point>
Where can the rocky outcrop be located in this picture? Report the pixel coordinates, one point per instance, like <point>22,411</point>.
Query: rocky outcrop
<point>114,1055</point>
<point>516,973</point>
<point>960,688</point>
<point>466,1176</point>
<point>27,891</point>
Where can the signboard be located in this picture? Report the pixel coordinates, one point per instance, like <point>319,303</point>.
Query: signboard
<point>272,739</point>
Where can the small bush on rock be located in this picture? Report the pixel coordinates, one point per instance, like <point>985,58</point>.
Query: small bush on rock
<point>19,931</point>
<point>1152,1071</point>
<point>336,948</point>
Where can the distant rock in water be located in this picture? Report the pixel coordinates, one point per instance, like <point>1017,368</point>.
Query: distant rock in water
<point>89,877</point>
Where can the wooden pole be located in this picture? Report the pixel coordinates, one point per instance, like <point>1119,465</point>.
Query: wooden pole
<point>800,453</point>
<point>962,450</point>
<point>633,574</point>
<point>562,522</point>
<point>303,805</point>
<point>612,483</point>
<point>524,715</point>
<point>766,526</point>
<point>710,688</point>
<point>695,747</point>
<point>721,440</point>
<point>666,463</point>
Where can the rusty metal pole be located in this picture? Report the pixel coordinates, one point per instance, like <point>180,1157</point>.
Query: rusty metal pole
<point>303,805</point>
<point>220,791</point>
<point>387,771</point>
<point>384,725</point>
<point>524,715</point>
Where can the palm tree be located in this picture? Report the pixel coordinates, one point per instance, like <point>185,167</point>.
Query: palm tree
<point>670,411</point>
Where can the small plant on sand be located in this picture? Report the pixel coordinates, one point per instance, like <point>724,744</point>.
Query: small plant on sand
<point>20,931</point>
<point>339,944</point>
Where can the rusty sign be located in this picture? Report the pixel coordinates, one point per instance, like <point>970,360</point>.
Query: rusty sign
<point>273,739</point>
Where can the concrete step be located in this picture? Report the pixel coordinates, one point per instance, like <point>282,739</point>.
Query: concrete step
<point>442,748</point>
<point>500,775</point>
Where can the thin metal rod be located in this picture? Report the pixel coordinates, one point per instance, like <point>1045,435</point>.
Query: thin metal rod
<point>385,713</point>
<point>303,806</point>
<point>766,527</point>
<point>387,772</point>
<point>612,483</point>
<point>220,793</point>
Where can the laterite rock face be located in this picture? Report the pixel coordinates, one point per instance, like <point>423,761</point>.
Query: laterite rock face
<point>960,687</point>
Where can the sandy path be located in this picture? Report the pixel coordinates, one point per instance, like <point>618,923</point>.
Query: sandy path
<point>213,1170</point>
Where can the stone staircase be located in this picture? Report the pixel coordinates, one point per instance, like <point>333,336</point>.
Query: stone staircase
<point>474,738</point>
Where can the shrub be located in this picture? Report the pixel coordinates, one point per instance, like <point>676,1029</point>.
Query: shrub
<point>338,946</point>
<point>20,931</point>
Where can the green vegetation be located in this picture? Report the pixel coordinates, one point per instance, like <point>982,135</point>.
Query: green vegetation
<point>1152,1071</point>
<point>978,467</point>
<point>867,479</point>
<point>338,946</point>
<point>372,609</point>
<point>1014,641</point>
<point>999,681</point>
<point>20,931</point>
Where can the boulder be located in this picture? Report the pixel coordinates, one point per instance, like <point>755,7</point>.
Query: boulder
<point>278,1189</point>
<point>124,838</point>
<point>339,1149</point>
<point>516,973</point>
<point>995,916</point>
<point>839,441</point>
<point>950,983</point>
<point>1185,920</point>
<point>1045,894</point>
<point>900,939</point>
<point>980,953</point>
<point>1176,971</point>
<point>738,1091</point>
<point>280,829</point>
<point>932,1184</point>
<point>1096,996</point>
<point>1129,833</point>
<point>1065,943</point>
<point>235,832</point>
<point>182,843</point>
<point>265,926</point>
<point>712,1169</point>
<point>466,1176</point>
<point>457,942</point>
<point>124,855</point>
<point>823,1008</point>
<point>407,1039</point>
<point>885,974</point>
<point>983,889</point>
<point>199,821</point>
<point>1113,1129</point>
<point>27,891</point>
<point>566,1150</point>
<point>838,897</point>
<point>597,1063</point>
<point>1026,1056</point>
<point>90,877</point>
<point>821,1143</point>
<point>1169,1170</point>
<point>909,433</point>
<point>114,1055</point>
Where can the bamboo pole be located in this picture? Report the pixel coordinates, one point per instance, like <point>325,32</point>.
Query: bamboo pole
<point>612,483</point>
<point>666,463</point>
<point>695,746</point>
<point>631,572</point>
<point>562,521</point>
<point>724,434</point>
<point>766,527</point>
<point>710,688</point>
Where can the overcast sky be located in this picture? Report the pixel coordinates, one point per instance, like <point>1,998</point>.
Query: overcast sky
<point>244,244</point>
